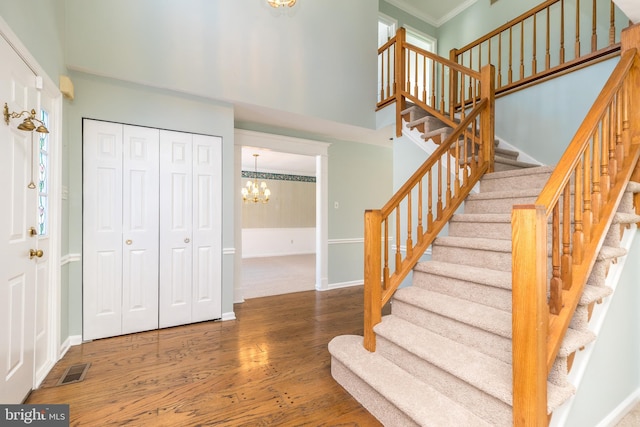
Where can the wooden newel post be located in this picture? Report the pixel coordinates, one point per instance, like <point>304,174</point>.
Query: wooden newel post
<point>530,315</point>
<point>401,36</point>
<point>372,276</point>
<point>487,117</point>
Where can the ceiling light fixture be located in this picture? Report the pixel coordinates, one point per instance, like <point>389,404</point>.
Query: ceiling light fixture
<point>279,3</point>
<point>253,192</point>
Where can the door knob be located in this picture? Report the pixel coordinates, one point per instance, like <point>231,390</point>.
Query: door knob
<point>35,253</point>
<point>187,240</point>
<point>129,241</point>
<point>32,231</point>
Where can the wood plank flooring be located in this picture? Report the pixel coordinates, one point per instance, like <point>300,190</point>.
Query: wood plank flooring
<point>270,367</point>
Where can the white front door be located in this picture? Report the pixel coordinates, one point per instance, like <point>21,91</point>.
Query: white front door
<point>18,233</point>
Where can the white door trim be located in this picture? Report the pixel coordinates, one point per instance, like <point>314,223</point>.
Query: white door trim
<point>55,212</point>
<point>306,147</point>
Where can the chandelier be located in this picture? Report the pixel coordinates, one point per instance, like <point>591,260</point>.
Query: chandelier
<point>278,3</point>
<point>252,192</point>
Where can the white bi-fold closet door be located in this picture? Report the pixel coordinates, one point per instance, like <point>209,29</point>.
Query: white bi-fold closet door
<point>151,228</point>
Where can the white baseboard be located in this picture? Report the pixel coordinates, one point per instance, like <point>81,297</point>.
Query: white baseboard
<point>341,285</point>
<point>228,316</point>
<point>68,343</point>
<point>621,410</point>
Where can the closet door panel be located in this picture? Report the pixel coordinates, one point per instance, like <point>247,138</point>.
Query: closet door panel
<point>102,229</point>
<point>140,234</point>
<point>207,229</point>
<point>176,201</point>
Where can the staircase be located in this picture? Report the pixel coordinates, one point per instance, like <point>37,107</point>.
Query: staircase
<point>427,128</point>
<point>444,353</point>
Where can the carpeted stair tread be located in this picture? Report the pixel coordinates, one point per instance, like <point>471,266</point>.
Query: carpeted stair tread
<point>625,218</point>
<point>504,194</point>
<point>511,162</point>
<point>480,316</point>
<point>485,276</point>
<point>481,217</point>
<point>495,245</point>
<point>592,293</point>
<point>574,340</point>
<point>438,131</point>
<point>633,187</point>
<point>420,402</point>
<point>506,153</point>
<point>484,372</point>
<point>519,173</point>
<point>610,252</point>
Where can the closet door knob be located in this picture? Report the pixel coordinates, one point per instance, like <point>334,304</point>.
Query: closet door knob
<point>129,241</point>
<point>186,240</point>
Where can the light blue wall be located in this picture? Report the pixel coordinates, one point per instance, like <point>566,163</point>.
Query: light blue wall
<point>360,178</point>
<point>404,19</point>
<point>542,120</point>
<point>317,59</point>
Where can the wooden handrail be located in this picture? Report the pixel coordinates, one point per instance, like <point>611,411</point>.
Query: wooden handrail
<point>579,200</point>
<point>418,211</point>
<point>520,36</point>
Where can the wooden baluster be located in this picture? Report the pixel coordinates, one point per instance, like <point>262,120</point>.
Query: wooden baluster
<point>499,61</point>
<point>382,77</point>
<point>442,90</point>
<point>522,50</point>
<point>510,72</point>
<point>372,273</point>
<point>463,101</point>
<point>612,24</point>
<point>594,31</point>
<point>620,149</point>
<point>409,226</point>
<point>613,163</point>
<point>385,270</point>
<point>430,201</point>
<point>562,32</point>
<point>605,179</point>
<point>424,80</point>
<point>596,198</point>
<point>555,299</point>
<point>578,235</point>
<point>398,241</point>
<point>547,55</point>
<point>449,169</point>
<point>420,230</point>
<point>457,165</point>
<point>534,61</point>
<point>567,259</point>
<point>433,84</point>
<point>439,205</point>
<point>625,117</point>
<point>587,219</point>
<point>577,46</point>
<point>415,78</point>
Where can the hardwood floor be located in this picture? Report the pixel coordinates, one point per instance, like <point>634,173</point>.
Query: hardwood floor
<point>269,367</point>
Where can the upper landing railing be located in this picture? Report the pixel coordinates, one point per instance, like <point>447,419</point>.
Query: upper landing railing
<point>550,39</point>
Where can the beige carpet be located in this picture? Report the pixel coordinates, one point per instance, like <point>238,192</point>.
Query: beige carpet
<point>268,276</point>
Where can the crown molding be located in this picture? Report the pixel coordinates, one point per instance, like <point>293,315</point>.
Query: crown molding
<point>404,5</point>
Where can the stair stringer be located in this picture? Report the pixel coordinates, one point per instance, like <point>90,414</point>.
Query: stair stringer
<point>583,358</point>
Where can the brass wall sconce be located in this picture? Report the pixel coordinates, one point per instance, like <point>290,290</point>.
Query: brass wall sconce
<point>27,124</point>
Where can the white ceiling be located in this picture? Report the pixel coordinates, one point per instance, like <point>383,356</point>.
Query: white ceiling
<point>434,12</point>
